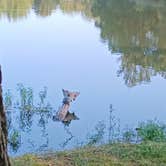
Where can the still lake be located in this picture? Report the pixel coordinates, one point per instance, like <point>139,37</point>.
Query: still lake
<point>112,52</point>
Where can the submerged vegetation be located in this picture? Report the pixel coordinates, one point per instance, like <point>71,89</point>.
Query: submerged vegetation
<point>23,108</point>
<point>144,145</point>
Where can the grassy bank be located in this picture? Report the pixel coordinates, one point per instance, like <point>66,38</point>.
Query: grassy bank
<point>147,153</point>
<point>124,149</point>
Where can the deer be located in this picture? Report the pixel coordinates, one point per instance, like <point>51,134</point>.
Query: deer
<point>63,113</point>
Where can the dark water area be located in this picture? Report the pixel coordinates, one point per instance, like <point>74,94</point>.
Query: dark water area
<point>112,52</point>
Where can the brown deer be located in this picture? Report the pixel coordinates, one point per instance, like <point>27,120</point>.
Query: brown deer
<point>63,113</point>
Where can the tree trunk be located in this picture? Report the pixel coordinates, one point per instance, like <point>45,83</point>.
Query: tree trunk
<point>4,158</point>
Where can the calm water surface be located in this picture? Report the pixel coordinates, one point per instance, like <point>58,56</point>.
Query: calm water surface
<point>113,52</point>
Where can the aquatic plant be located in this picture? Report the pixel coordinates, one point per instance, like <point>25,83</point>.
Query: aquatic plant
<point>152,131</point>
<point>14,140</point>
<point>69,138</point>
<point>26,97</point>
<point>42,96</point>
<point>98,135</point>
<point>114,127</point>
<point>8,99</point>
<point>129,135</point>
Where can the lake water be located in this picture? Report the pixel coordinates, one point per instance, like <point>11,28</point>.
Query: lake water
<point>112,52</point>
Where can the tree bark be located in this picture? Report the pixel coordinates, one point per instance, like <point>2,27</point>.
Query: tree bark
<point>4,158</point>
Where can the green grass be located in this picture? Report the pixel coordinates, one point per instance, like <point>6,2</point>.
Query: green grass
<point>144,154</point>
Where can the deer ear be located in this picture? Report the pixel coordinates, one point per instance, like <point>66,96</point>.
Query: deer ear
<point>63,92</point>
<point>78,93</point>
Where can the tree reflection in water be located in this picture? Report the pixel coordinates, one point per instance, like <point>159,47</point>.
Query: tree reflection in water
<point>134,28</point>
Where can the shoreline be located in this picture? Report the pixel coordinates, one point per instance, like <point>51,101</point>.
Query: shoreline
<point>126,154</point>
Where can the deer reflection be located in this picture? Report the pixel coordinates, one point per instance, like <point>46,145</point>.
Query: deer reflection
<point>63,113</point>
